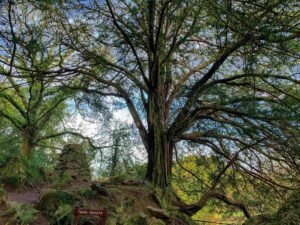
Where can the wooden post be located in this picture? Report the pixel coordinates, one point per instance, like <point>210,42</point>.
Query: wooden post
<point>75,212</point>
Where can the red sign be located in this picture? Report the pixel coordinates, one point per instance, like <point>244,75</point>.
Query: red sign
<point>101,213</point>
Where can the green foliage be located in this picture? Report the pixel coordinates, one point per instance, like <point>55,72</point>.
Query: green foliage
<point>9,142</point>
<point>133,219</point>
<point>23,214</point>
<point>87,192</point>
<point>136,220</point>
<point>58,205</point>
<point>120,158</point>
<point>61,181</point>
<point>24,171</point>
<point>63,215</point>
<point>31,104</point>
<point>190,189</point>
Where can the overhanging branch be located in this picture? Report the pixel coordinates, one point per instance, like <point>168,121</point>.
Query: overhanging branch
<point>194,208</point>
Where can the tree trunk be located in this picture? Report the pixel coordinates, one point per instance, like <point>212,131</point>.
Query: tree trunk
<point>26,148</point>
<point>160,146</point>
<point>159,168</point>
<point>162,163</point>
<point>27,144</point>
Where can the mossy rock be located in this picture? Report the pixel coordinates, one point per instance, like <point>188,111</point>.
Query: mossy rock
<point>119,179</point>
<point>62,215</point>
<point>58,205</point>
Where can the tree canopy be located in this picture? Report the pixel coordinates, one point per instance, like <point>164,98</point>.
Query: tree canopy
<point>223,75</point>
<point>220,76</point>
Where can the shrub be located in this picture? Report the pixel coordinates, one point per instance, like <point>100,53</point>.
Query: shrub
<point>22,213</point>
<point>23,171</point>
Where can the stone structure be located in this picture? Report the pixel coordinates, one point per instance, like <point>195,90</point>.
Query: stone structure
<point>73,163</point>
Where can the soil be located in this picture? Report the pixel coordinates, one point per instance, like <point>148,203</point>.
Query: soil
<point>30,196</point>
<point>41,220</point>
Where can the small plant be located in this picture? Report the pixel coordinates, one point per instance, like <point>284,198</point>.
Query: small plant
<point>63,214</point>
<point>87,192</point>
<point>25,214</point>
<point>60,181</point>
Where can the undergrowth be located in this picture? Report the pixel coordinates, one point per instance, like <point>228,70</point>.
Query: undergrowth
<point>20,213</point>
<point>23,171</point>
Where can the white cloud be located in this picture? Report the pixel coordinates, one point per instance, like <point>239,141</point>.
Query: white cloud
<point>123,115</point>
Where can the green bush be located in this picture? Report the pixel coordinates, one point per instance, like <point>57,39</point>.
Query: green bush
<point>57,206</point>
<point>63,215</point>
<point>288,214</point>
<point>87,193</point>
<point>22,213</point>
<point>23,171</point>
<point>61,181</point>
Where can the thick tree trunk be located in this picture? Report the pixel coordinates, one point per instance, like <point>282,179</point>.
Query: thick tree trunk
<point>162,167</point>
<point>159,168</point>
<point>160,146</point>
<point>27,143</point>
<point>26,148</point>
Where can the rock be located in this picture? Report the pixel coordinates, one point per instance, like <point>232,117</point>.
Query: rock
<point>119,179</point>
<point>73,163</point>
<point>51,199</point>
<point>58,205</point>
<point>101,190</point>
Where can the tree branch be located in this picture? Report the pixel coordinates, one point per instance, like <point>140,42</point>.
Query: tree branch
<point>194,208</point>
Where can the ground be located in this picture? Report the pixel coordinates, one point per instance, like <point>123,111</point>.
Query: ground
<point>133,203</point>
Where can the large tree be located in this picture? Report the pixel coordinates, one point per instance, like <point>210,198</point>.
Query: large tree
<point>31,100</point>
<point>220,74</point>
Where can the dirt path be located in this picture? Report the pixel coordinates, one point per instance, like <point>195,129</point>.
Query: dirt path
<point>30,196</point>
